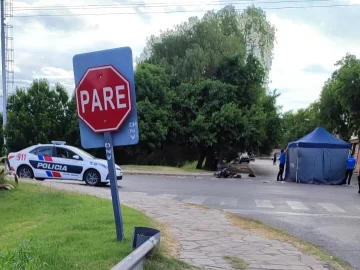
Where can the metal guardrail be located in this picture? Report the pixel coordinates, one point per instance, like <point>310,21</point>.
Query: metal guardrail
<point>136,259</point>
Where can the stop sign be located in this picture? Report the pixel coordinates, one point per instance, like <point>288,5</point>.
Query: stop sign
<point>103,99</point>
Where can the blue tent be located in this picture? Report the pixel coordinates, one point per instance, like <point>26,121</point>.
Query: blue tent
<point>317,158</point>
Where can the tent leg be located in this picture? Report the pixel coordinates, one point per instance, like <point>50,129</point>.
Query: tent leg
<point>297,166</point>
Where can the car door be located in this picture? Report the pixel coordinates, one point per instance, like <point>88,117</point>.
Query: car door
<point>69,167</point>
<point>40,159</point>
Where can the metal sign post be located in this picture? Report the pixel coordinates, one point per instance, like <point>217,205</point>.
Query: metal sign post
<point>113,185</point>
<point>106,107</point>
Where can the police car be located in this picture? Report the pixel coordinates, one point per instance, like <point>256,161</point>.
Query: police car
<point>60,161</point>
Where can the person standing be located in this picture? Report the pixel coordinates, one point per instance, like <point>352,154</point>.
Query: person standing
<point>282,160</point>
<point>274,158</point>
<point>350,166</point>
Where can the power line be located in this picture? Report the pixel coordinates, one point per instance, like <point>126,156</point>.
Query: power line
<point>183,4</point>
<point>176,11</point>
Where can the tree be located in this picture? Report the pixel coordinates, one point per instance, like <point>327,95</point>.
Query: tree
<point>339,100</point>
<point>216,65</point>
<point>195,107</point>
<point>259,35</point>
<point>271,136</point>
<point>72,133</point>
<point>195,48</point>
<point>333,115</point>
<point>152,94</point>
<point>337,109</point>
<point>297,124</point>
<point>347,90</point>
<point>37,115</point>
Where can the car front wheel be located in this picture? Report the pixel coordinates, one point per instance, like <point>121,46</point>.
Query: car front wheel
<point>25,171</point>
<point>92,178</point>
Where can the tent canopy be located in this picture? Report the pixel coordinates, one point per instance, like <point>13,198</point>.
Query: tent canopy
<point>320,138</point>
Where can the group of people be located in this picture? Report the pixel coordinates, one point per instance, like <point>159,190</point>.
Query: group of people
<point>350,167</point>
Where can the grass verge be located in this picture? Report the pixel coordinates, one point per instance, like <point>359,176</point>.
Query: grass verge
<point>280,235</point>
<point>237,263</point>
<point>188,167</point>
<point>42,228</point>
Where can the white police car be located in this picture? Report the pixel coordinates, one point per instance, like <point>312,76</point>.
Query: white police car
<point>60,161</point>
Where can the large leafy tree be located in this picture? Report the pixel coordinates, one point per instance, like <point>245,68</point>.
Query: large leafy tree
<point>194,49</point>
<point>333,115</point>
<point>37,114</point>
<point>217,65</point>
<point>152,94</point>
<point>340,98</point>
<point>347,85</point>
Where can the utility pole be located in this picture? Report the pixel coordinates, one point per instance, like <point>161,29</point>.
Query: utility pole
<point>3,67</point>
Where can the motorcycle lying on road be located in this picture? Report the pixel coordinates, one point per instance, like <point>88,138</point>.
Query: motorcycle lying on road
<point>226,172</point>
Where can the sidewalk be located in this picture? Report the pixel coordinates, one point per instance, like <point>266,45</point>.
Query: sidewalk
<point>206,236</point>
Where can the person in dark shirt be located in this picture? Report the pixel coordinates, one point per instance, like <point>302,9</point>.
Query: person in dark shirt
<point>350,166</point>
<point>282,160</point>
<point>274,159</point>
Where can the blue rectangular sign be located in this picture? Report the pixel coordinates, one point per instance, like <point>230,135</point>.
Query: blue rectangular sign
<point>122,60</point>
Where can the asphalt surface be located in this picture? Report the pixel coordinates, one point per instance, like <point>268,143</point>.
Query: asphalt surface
<point>327,216</point>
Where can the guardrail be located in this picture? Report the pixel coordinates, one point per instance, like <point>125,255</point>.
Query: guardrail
<point>144,241</point>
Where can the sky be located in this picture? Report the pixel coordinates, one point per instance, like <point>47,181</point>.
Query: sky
<point>308,40</point>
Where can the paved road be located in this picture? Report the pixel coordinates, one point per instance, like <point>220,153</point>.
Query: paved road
<point>328,216</point>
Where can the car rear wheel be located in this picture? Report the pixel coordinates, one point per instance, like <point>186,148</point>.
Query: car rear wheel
<point>24,171</point>
<point>92,177</point>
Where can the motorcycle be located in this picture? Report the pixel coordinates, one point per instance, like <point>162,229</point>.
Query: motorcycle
<point>226,172</point>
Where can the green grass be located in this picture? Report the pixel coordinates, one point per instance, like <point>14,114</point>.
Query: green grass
<point>237,263</point>
<point>190,166</point>
<point>187,167</point>
<point>158,262</point>
<point>46,229</point>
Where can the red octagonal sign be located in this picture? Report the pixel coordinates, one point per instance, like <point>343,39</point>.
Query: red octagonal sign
<point>103,99</point>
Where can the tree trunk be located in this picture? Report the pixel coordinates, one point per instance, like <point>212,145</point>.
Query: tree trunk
<point>209,159</point>
<point>221,156</point>
<point>201,159</point>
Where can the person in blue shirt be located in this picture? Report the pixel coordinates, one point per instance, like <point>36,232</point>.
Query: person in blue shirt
<point>282,159</point>
<point>350,166</point>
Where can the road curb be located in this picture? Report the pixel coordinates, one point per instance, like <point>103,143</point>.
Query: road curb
<point>165,174</point>
<point>177,175</point>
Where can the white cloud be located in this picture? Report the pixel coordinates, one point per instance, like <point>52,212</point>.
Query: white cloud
<point>36,41</point>
<point>44,46</point>
<point>56,73</point>
<point>299,46</point>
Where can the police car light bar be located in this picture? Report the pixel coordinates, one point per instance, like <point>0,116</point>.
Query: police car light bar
<point>58,142</point>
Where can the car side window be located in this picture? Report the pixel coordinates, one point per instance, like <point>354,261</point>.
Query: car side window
<point>42,151</point>
<point>64,153</point>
